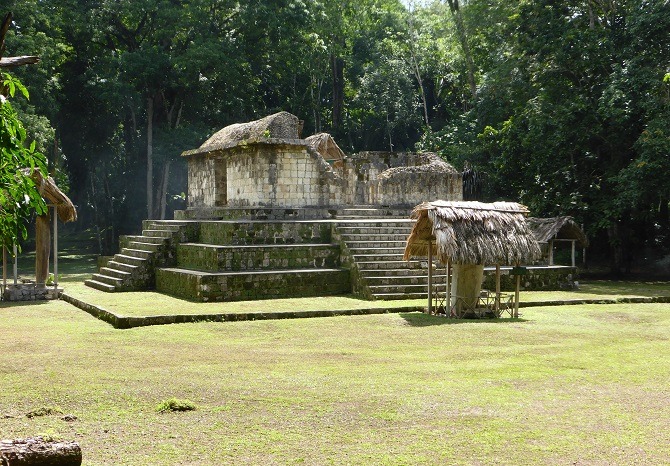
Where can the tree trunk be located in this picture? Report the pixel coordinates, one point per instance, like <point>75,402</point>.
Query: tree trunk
<point>150,156</point>
<point>42,247</point>
<point>337,65</point>
<point>38,452</point>
<point>162,190</point>
<point>463,38</point>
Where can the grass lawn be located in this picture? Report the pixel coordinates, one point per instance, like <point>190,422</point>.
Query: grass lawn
<point>149,303</point>
<point>566,385</point>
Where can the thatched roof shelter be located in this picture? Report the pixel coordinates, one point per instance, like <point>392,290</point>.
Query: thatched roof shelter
<point>473,233</point>
<point>562,228</point>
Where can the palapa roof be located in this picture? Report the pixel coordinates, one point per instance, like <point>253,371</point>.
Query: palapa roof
<point>546,229</point>
<point>468,232</point>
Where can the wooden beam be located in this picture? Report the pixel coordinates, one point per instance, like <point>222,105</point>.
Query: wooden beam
<point>9,62</point>
<point>448,297</point>
<point>573,252</point>
<point>516,295</point>
<point>498,290</point>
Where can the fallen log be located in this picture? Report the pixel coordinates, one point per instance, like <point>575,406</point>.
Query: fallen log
<point>37,451</point>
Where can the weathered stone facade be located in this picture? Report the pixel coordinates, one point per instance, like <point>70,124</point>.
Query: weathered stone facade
<point>269,171</point>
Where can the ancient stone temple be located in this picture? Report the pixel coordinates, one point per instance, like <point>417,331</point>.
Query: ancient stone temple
<point>272,215</point>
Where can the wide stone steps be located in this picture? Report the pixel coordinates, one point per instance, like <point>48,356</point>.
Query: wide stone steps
<point>131,269</point>
<point>121,266</point>
<point>157,233</point>
<point>376,248</point>
<point>146,239</point>
<point>362,253</point>
<point>366,212</point>
<point>403,280</point>
<point>375,245</point>
<point>99,285</point>
<point>107,279</point>
<point>137,253</point>
<point>116,271</point>
<point>378,290</point>
<point>130,260</point>
<point>144,246</point>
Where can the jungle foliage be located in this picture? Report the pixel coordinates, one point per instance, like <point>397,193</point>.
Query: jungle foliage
<point>562,105</point>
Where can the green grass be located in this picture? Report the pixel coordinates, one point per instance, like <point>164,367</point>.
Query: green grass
<point>565,385</point>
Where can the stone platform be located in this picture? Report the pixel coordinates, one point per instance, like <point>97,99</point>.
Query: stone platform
<point>31,292</point>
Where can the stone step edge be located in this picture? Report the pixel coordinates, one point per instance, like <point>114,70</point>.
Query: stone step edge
<point>122,322</point>
<point>249,272</point>
<point>259,246</point>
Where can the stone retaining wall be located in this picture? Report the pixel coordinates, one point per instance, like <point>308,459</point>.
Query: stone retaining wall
<point>30,292</point>
<point>255,232</point>
<point>214,258</point>
<point>207,287</point>
<point>538,278</point>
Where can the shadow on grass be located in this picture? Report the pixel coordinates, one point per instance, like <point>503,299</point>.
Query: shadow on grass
<point>15,304</point>
<point>614,288</point>
<point>418,319</point>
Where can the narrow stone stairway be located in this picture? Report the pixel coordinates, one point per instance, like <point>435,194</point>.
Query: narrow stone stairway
<point>374,242</point>
<point>133,267</point>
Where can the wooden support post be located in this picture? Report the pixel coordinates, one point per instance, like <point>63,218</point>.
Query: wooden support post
<point>430,277</point>
<point>573,252</point>
<point>551,252</point>
<point>42,248</point>
<point>4,268</point>
<point>448,297</point>
<point>498,290</point>
<point>55,247</point>
<point>16,265</point>
<point>516,295</point>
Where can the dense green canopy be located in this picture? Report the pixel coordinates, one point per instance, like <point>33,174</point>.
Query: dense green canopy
<point>560,105</point>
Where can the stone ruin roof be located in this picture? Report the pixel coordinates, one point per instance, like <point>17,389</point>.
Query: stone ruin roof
<point>324,144</point>
<point>282,125</point>
<point>429,162</point>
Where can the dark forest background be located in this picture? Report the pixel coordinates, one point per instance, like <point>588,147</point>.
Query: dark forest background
<point>561,105</point>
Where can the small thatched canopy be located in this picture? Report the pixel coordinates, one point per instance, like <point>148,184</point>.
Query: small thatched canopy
<point>49,191</point>
<point>473,233</point>
<point>547,229</point>
<point>325,145</point>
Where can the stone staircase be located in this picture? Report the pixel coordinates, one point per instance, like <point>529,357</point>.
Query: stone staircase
<point>133,267</point>
<point>373,243</point>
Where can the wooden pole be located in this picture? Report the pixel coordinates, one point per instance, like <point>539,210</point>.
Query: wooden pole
<point>42,248</point>
<point>430,277</point>
<point>573,253</point>
<point>516,295</point>
<point>551,252</point>
<point>4,268</point>
<point>498,290</point>
<point>16,266</point>
<point>448,300</point>
<point>55,247</point>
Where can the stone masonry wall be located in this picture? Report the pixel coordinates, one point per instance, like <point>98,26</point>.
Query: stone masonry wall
<point>207,181</point>
<point>280,176</point>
